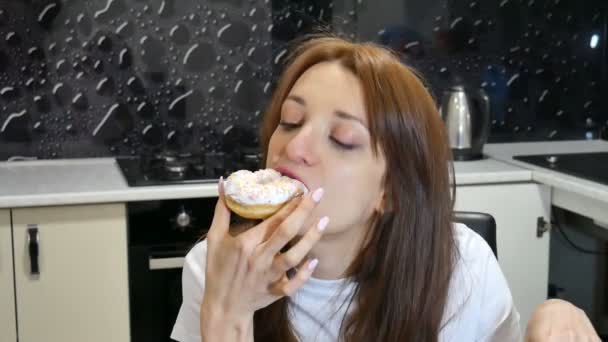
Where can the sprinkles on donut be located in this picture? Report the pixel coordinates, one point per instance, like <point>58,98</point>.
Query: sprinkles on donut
<point>259,194</point>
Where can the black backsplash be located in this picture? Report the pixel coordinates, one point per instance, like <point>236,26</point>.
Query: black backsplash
<point>89,78</point>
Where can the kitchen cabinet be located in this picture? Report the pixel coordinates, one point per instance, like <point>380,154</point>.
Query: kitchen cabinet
<point>522,255</point>
<point>8,329</point>
<point>80,292</point>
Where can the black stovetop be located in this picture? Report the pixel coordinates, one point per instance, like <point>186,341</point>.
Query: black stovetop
<point>175,168</point>
<point>589,166</point>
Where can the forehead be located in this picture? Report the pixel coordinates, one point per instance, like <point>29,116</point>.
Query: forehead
<point>329,86</point>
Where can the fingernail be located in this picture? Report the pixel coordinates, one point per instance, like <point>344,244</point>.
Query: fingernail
<point>323,223</point>
<point>313,264</point>
<point>317,195</point>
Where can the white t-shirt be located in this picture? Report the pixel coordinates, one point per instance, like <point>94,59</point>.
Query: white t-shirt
<point>479,305</point>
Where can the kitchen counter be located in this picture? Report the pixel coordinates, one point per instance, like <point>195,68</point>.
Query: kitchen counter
<point>489,171</point>
<point>505,153</point>
<point>579,195</point>
<point>99,180</point>
<point>80,181</point>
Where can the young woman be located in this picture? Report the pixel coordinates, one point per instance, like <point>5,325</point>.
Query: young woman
<point>374,252</point>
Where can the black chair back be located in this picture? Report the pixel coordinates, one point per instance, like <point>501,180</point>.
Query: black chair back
<point>482,223</point>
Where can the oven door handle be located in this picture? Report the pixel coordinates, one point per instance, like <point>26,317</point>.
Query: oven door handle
<point>163,262</point>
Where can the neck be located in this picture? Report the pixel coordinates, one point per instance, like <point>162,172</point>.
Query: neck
<point>336,252</point>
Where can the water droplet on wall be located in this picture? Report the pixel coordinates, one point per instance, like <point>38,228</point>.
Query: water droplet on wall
<point>124,58</point>
<point>104,43</point>
<point>113,9</point>
<point>13,39</point>
<point>30,83</point>
<point>35,53</point>
<point>84,24</point>
<point>43,105</point>
<point>115,124</point>
<point>135,85</point>
<point>105,86</point>
<point>248,95</point>
<point>145,110</point>
<point>153,51</point>
<point>48,14</point>
<point>187,104</point>
<point>199,57</point>
<point>80,102</point>
<point>16,127</point>
<point>3,17</point>
<point>98,66</point>
<point>279,57</point>
<point>259,55</point>
<point>125,29</point>
<point>152,135</point>
<point>233,34</point>
<point>179,34</point>
<point>62,67</point>
<point>62,93</point>
<point>9,93</point>
<point>166,9</point>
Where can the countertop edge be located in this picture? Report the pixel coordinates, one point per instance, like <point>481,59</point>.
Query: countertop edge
<point>482,178</point>
<point>119,196</point>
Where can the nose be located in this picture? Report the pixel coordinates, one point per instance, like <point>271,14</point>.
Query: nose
<point>302,148</point>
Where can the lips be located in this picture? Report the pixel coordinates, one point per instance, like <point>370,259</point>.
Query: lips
<point>286,172</point>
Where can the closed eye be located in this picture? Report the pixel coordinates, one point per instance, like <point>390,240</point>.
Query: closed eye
<point>289,126</point>
<point>342,145</point>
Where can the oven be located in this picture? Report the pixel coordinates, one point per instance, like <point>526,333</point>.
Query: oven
<point>160,234</point>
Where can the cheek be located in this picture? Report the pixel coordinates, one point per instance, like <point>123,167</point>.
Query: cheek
<point>274,146</point>
<point>353,196</point>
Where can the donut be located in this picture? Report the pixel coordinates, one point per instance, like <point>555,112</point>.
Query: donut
<point>259,194</point>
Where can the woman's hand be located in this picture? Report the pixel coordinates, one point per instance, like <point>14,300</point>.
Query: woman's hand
<point>557,320</point>
<point>247,272</point>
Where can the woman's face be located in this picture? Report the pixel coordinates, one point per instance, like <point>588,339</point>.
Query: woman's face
<point>323,140</point>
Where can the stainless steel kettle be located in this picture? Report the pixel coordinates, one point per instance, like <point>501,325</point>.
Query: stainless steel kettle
<point>466,114</point>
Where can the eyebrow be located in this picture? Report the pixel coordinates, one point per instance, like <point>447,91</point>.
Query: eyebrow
<point>340,113</point>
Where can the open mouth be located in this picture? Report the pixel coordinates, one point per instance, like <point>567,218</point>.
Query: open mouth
<point>286,172</point>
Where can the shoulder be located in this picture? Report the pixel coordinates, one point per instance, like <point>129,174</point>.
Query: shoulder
<point>470,245</point>
<point>471,259</point>
<point>476,268</point>
<point>479,299</point>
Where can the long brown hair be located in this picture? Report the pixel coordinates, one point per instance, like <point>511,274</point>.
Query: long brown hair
<point>402,272</point>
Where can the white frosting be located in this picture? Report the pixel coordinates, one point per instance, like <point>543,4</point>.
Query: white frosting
<point>266,187</point>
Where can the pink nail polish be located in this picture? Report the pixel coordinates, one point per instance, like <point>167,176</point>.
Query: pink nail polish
<point>323,223</point>
<point>317,195</point>
<point>313,264</point>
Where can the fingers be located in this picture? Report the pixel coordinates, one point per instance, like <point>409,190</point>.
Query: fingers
<point>287,287</point>
<point>291,225</point>
<point>264,230</point>
<point>588,328</point>
<point>274,221</point>
<point>298,252</point>
<point>221,217</point>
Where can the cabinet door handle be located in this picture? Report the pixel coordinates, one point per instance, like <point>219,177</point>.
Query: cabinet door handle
<point>33,248</point>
